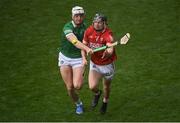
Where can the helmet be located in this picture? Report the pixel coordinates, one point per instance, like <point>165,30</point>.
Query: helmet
<point>77,10</point>
<point>100,16</point>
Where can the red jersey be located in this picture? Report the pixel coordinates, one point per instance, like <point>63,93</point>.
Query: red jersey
<point>99,39</point>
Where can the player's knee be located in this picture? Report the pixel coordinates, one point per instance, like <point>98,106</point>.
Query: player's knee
<point>77,86</point>
<point>106,87</point>
<point>69,88</point>
<point>91,87</point>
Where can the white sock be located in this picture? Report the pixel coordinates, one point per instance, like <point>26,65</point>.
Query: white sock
<point>105,100</point>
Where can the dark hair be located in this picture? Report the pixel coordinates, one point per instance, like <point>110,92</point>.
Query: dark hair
<point>100,16</point>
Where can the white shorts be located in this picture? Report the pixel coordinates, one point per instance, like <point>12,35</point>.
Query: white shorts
<point>106,70</point>
<point>73,62</point>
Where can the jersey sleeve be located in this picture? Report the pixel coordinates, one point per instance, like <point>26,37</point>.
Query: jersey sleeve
<point>67,29</point>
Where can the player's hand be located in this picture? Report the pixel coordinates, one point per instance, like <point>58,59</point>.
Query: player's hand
<point>106,54</point>
<point>84,61</point>
<point>89,51</point>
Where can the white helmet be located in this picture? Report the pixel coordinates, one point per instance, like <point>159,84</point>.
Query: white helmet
<point>77,10</point>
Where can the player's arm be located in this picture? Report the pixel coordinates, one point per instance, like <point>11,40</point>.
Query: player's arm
<point>83,53</point>
<point>73,39</point>
<point>109,51</point>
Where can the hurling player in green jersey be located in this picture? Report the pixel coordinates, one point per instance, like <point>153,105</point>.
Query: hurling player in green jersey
<point>70,59</point>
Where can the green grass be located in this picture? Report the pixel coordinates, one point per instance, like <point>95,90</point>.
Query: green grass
<point>146,86</point>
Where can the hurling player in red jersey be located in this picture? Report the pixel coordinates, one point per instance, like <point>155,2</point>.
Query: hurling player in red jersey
<point>102,62</point>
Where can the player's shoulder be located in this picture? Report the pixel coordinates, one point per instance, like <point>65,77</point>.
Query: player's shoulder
<point>68,28</point>
<point>90,29</point>
<point>108,35</point>
<point>68,25</point>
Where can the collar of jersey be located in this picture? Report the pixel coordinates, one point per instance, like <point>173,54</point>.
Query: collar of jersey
<point>104,30</point>
<point>74,24</point>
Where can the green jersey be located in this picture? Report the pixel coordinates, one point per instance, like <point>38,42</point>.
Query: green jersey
<point>67,48</point>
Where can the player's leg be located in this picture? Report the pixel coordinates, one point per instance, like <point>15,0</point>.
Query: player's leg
<point>108,76</point>
<point>68,80</point>
<point>107,85</point>
<point>65,67</point>
<point>106,89</point>
<point>78,77</point>
<point>94,78</point>
<point>78,71</point>
<point>78,82</point>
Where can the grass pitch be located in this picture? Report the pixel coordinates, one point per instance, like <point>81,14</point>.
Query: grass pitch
<point>146,86</point>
